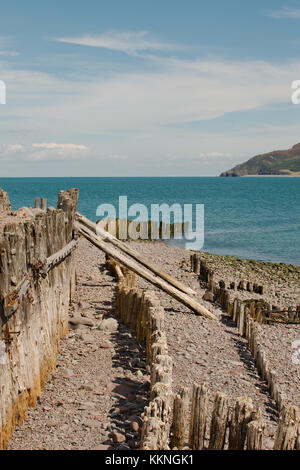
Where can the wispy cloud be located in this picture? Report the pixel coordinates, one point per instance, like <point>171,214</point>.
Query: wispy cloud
<point>53,146</point>
<point>42,151</point>
<point>9,53</point>
<point>286,12</point>
<point>129,42</point>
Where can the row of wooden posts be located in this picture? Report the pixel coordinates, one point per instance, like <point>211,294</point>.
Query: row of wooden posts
<point>260,310</point>
<point>141,311</point>
<point>200,267</point>
<point>247,315</point>
<point>236,427</point>
<point>125,229</point>
<point>40,205</point>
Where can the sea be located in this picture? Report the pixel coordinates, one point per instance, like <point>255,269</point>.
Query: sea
<point>253,218</point>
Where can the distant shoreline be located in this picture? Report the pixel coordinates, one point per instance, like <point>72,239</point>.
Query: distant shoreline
<point>269,176</point>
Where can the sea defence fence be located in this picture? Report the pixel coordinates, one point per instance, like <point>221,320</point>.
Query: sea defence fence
<point>258,309</point>
<point>37,281</point>
<point>145,230</point>
<point>182,421</point>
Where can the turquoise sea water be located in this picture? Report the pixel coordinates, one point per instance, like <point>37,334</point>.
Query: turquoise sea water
<point>257,218</point>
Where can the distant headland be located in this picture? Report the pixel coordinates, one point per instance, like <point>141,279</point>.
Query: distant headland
<point>276,163</point>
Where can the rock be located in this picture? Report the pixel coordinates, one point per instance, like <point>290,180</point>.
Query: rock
<point>209,296</point>
<point>123,447</point>
<point>87,338</point>
<point>134,426</point>
<point>106,345</point>
<point>118,437</point>
<point>108,324</point>
<point>77,320</point>
<point>90,423</point>
<point>139,373</point>
<point>67,372</point>
<point>132,444</point>
<point>101,447</point>
<point>52,424</point>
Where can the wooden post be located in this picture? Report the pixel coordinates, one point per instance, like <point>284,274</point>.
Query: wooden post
<point>180,418</point>
<point>219,422</point>
<point>255,435</point>
<point>44,204</point>
<point>241,319</point>
<point>298,438</point>
<point>198,417</point>
<point>287,429</point>
<point>37,203</point>
<point>240,418</point>
<point>197,265</point>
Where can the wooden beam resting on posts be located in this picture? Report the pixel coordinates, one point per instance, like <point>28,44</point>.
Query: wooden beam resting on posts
<point>57,257</point>
<point>133,254</point>
<point>160,283</point>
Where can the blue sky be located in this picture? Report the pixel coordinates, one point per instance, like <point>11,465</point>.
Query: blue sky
<point>140,88</point>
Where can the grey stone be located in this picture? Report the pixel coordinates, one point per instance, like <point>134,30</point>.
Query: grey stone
<point>108,324</point>
<point>209,296</point>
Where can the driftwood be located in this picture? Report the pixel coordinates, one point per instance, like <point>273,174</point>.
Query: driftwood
<point>133,254</point>
<point>162,284</point>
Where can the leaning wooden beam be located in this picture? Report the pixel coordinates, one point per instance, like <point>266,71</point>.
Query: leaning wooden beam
<point>57,257</point>
<point>160,283</point>
<point>114,241</point>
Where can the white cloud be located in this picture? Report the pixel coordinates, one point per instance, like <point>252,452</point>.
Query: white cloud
<point>180,92</point>
<point>15,148</point>
<point>53,146</point>
<point>42,151</point>
<point>9,53</point>
<point>286,12</point>
<point>129,42</point>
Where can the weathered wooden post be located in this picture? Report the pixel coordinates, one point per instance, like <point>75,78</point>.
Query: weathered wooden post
<point>241,416</point>
<point>219,422</point>
<point>255,435</point>
<point>287,429</point>
<point>44,204</point>
<point>37,203</point>
<point>180,418</point>
<point>198,417</point>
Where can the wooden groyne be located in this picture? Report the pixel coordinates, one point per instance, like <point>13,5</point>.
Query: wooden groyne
<point>37,280</point>
<point>260,310</point>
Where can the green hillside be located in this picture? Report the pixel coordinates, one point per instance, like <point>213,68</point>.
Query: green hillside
<point>278,162</point>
